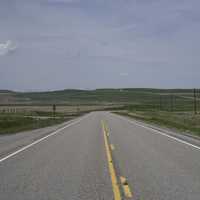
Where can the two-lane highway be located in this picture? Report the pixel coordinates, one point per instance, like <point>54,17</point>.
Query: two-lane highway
<point>68,165</point>
<point>94,156</point>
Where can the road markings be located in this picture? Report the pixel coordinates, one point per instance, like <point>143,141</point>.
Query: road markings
<point>112,147</point>
<point>126,188</point>
<point>106,130</point>
<point>41,139</point>
<point>115,186</point>
<point>161,133</point>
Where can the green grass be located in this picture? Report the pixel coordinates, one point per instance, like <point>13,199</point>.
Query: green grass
<point>33,117</point>
<point>17,123</point>
<point>182,121</point>
<point>134,96</point>
<point>167,107</point>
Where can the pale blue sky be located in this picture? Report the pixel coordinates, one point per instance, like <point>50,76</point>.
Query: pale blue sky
<point>57,44</point>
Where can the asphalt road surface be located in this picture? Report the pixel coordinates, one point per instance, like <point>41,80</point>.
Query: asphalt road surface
<point>100,156</point>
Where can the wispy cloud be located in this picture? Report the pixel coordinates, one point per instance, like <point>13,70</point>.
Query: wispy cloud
<point>123,74</point>
<point>61,2</point>
<point>7,47</point>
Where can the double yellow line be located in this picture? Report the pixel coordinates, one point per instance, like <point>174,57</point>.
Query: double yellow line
<point>115,186</point>
<point>113,175</point>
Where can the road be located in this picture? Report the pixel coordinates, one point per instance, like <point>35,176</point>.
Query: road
<point>100,156</point>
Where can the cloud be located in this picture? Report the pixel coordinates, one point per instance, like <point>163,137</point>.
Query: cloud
<point>61,2</point>
<point>7,48</point>
<point>123,74</point>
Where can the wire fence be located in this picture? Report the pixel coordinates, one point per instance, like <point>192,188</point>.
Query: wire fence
<point>165,100</point>
<point>181,102</point>
<point>169,102</point>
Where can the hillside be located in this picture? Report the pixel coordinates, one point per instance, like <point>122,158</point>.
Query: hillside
<point>98,96</point>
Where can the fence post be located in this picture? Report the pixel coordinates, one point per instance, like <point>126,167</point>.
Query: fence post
<point>160,102</point>
<point>54,110</point>
<point>172,103</point>
<point>195,102</point>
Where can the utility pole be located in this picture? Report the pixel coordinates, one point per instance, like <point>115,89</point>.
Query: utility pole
<point>172,103</point>
<point>160,102</point>
<point>195,102</point>
<point>197,98</point>
<point>54,110</point>
<point>78,109</point>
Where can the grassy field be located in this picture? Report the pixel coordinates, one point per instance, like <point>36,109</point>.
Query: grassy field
<point>48,109</point>
<point>185,122</point>
<point>136,96</point>
<point>173,108</point>
<point>16,118</point>
<point>10,123</point>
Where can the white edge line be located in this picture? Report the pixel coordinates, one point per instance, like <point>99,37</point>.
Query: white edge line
<point>160,132</point>
<point>40,140</point>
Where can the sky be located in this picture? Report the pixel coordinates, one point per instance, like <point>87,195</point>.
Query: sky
<point>88,44</point>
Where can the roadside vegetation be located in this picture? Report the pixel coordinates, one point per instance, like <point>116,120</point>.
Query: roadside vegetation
<point>185,122</point>
<point>13,123</point>
<point>17,118</point>
<point>180,111</point>
<point>94,97</point>
<point>16,123</point>
<point>173,108</point>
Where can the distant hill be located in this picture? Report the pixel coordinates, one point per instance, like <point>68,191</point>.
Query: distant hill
<point>98,96</point>
<point>6,91</point>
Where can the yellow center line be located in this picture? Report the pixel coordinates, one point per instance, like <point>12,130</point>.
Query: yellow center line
<point>112,147</point>
<point>115,186</point>
<point>106,129</point>
<point>126,188</point>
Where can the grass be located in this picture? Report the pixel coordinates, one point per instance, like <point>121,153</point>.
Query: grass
<point>167,107</point>
<point>181,121</point>
<point>13,123</point>
<point>47,109</point>
<point>98,97</point>
<point>18,118</point>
